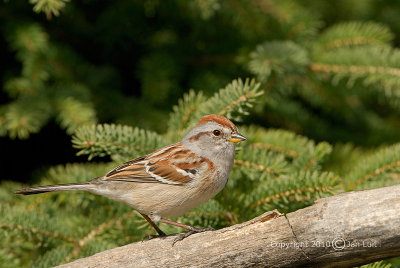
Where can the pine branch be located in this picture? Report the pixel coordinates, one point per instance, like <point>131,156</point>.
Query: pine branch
<point>313,158</point>
<point>260,162</point>
<point>37,231</point>
<point>279,57</point>
<point>18,220</point>
<point>378,66</point>
<point>47,87</point>
<point>305,154</point>
<point>356,33</point>
<point>297,192</point>
<point>102,140</point>
<point>53,256</point>
<point>378,167</point>
<point>233,101</point>
<point>276,148</point>
<point>28,39</point>
<point>205,8</point>
<point>19,86</point>
<point>25,116</point>
<point>278,140</point>
<point>390,167</point>
<point>95,232</point>
<point>354,69</point>
<point>182,114</point>
<point>74,113</point>
<point>263,168</point>
<point>379,264</point>
<point>49,7</point>
<point>289,191</point>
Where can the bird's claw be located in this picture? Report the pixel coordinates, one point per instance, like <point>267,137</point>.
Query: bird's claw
<point>150,237</point>
<point>182,236</point>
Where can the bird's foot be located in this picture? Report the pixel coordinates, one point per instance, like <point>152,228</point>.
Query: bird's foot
<point>150,237</point>
<point>193,230</point>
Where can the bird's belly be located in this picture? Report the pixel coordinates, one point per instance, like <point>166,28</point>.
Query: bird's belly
<point>190,198</point>
<point>161,200</point>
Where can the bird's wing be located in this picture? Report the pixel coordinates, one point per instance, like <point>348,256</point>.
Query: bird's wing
<point>173,164</point>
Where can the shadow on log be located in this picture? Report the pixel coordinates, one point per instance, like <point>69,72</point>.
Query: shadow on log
<point>340,231</point>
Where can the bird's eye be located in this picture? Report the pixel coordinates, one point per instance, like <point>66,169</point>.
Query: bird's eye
<point>217,132</point>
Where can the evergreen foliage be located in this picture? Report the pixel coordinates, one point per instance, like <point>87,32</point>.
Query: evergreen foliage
<point>46,88</point>
<point>348,65</point>
<point>379,264</point>
<point>274,169</point>
<point>49,7</point>
<point>322,115</point>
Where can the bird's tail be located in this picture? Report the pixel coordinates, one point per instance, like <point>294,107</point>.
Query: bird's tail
<point>53,188</point>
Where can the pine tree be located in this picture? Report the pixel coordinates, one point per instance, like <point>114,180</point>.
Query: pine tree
<point>47,87</point>
<point>321,115</point>
<point>273,169</point>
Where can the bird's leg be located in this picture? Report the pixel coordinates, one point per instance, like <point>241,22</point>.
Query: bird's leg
<point>192,230</point>
<point>160,233</point>
<point>187,227</point>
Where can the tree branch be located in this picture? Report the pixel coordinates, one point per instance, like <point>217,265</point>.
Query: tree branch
<point>344,230</point>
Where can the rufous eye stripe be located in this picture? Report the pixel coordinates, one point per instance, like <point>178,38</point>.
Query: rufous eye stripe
<point>198,135</point>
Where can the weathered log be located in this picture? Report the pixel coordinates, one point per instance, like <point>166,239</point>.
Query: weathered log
<point>340,231</point>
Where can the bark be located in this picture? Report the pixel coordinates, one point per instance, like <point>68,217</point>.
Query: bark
<point>340,231</point>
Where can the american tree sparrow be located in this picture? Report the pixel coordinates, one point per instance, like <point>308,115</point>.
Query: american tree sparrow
<point>171,180</point>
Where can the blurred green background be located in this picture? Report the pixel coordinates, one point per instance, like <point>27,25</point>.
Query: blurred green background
<point>328,70</point>
<point>130,61</point>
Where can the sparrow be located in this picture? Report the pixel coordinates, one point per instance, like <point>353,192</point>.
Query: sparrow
<point>171,180</point>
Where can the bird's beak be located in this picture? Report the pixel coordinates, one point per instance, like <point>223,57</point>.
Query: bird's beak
<point>237,137</point>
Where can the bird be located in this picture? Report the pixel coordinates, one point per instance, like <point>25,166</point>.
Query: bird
<point>171,180</point>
